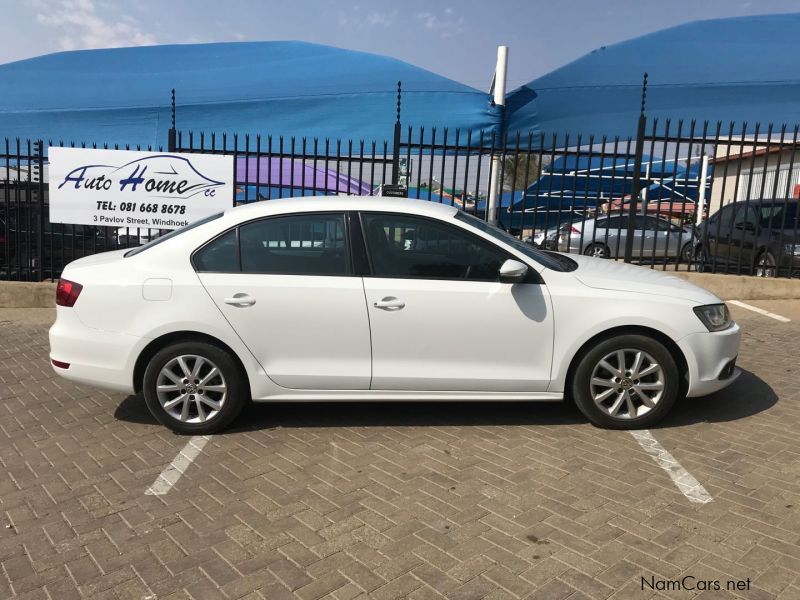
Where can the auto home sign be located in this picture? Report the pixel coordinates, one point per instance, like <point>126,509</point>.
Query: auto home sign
<point>121,188</point>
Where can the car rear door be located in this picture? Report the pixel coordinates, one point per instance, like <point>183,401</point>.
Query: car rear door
<point>441,321</point>
<point>287,287</point>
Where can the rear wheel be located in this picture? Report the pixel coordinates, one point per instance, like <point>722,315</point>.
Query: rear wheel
<point>194,388</point>
<point>626,382</point>
<point>700,259</point>
<point>766,265</point>
<point>598,250</point>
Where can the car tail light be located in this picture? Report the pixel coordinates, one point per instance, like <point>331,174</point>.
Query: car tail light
<point>67,292</point>
<point>59,364</point>
<point>574,230</point>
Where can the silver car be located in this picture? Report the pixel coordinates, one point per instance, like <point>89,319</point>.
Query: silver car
<point>605,236</point>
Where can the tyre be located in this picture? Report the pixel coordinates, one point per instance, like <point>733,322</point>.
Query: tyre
<point>685,257</point>
<point>598,250</point>
<point>766,265</point>
<point>626,382</point>
<point>194,388</point>
<point>700,259</point>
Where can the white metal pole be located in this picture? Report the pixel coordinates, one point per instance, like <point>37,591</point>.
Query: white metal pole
<point>500,73</point>
<point>701,194</point>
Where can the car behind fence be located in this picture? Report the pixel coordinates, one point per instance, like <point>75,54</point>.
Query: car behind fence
<point>678,196</point>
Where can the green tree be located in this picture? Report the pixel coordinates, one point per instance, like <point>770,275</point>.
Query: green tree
<point>520,170</point>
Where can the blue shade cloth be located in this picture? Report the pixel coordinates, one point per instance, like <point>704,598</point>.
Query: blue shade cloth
<point>739,69</point>
<point>122,95</point>
<point>582,180</point>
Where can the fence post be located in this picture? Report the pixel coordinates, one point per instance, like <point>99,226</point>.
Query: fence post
<point>396,144</point>
<point>172,134</point>
<point>38,151</point>
<point>637,175</point>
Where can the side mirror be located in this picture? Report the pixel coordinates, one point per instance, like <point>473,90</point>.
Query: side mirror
<point>747,226</point>
<point>513,271</point>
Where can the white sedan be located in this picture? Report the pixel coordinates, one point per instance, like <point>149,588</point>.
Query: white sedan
<point>377,299</point>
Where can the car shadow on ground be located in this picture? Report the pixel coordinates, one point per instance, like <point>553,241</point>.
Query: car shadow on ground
<point>746,397</point>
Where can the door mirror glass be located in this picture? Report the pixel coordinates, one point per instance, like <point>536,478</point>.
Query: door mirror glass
<point>513,271</point>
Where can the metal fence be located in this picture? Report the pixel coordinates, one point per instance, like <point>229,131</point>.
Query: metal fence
<point>677,196</point>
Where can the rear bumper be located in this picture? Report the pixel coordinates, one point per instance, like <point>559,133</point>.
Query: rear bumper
<point>710,358</point>
<point>98,358</point>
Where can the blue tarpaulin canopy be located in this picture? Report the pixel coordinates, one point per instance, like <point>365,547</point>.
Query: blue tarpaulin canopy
<point>578,181</point>
<point>122,95</point>
<point>739,69</point>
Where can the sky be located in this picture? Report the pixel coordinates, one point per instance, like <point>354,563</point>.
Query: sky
<point>455,38</point>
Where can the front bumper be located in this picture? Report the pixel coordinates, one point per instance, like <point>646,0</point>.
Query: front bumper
<point>98,358</point>
<point>710,357</point>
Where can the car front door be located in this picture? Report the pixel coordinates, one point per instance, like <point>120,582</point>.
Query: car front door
<point>291,296</point>
<point>439,317</point>
<point>745,226</point>
<point>717,237</point>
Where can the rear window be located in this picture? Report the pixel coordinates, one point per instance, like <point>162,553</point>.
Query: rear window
<point>172,234</point>
<point>779,216</point>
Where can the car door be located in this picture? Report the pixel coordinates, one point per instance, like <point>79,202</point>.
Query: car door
<point>440,319</point>
<point>646,239</point>
<point>745,229</point>
<point>717,236</point>
<point>613,234</point>
<point>286,286</point>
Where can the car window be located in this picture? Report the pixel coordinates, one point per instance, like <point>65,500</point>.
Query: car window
<point>618,222</point>
<point>543,258</point>
<point>219,255</point>
<point>305,244</point>
<point>172,234</point>
<point>779,216</point>
<point>724,218</point>
<point>644,223</point>
<point>745,214</point>
<point>407,246</point>
<point>662,225</point>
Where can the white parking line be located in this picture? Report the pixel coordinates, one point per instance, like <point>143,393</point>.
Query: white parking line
<point>684,480</point>
<point>178,466</point>
<point>760,311</point>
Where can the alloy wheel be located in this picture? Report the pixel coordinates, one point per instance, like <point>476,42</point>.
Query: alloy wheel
<point>627,383</point>
<point>766,266</point>
<point>191,388</point>
<point>597,251</point>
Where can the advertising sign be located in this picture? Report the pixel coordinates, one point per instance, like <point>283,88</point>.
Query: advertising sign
<point>122,188</point>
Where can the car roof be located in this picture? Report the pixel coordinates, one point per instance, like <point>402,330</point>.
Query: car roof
<point>340,203</point>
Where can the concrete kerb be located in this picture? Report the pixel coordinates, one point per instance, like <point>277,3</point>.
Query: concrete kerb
<point>743,287</point>
<point>22,294</point>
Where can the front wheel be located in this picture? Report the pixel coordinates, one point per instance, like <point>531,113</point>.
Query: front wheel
<point>766,265</point>
<point>626,382</point>
<point>194,388</point>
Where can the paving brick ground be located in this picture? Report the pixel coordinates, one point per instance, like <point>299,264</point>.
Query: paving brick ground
<point>396,501</point>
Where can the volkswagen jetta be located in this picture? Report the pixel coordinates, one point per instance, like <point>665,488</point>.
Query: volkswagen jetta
<point>373,299</point>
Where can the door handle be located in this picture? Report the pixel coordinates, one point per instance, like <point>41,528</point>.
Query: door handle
<point>389,303</point>
<point>241,300</point>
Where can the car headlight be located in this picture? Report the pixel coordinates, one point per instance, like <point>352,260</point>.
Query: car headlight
<point>793,250</point>
<point>714,316</point>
